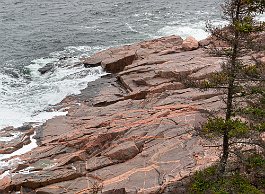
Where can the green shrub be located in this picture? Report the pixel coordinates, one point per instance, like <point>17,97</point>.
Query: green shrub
<point>256,160</point>
<point>207,181</point>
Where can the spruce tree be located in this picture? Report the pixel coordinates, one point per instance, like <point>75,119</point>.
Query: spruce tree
<point>243,119</point>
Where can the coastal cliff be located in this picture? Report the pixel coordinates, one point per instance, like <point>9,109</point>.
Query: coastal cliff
<point>131,131</point>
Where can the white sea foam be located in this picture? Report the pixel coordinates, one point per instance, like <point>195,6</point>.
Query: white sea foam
<point>184,32</point>
<point>26,100</point>
<point>26,170</point>
<point>219,23</point>
<point>23,150</point>
<point>197,30</point>
<point>9,138</point>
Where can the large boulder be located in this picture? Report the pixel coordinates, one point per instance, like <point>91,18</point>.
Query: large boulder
<point>96,59</point>
<point>118,62</point>
<point>112,62</point>
<point>190,44</point>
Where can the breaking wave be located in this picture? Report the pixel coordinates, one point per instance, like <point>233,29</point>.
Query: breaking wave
<point>28,97</point>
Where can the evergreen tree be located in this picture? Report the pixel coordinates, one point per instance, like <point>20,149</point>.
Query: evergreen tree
<point>243,119</point>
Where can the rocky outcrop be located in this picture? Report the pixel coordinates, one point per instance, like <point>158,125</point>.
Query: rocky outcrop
<point>46,68</point>
<point>114,60</point>
<point>129,132</point>
<point>190,44</point>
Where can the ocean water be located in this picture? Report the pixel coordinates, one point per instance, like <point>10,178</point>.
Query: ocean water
<point>35,33</point>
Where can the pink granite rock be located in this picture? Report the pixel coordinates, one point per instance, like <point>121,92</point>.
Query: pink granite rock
<point>132,132</point>
<point>190,44</point>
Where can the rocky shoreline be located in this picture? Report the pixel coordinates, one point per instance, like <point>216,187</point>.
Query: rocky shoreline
<point>131,131</point>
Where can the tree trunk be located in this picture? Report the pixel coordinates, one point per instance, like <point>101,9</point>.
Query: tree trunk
<point>230,90</point>
<point>225,155</point>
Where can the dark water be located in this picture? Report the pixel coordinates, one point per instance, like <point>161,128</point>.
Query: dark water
<point>36,32</point>
<point>34,28</point>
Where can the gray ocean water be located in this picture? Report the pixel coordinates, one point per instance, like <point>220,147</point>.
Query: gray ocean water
<point>60,32</point>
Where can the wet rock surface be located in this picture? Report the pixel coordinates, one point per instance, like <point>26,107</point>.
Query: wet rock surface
<point>13,139</point>
<point>129,132</point>
<point>46,68</point>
